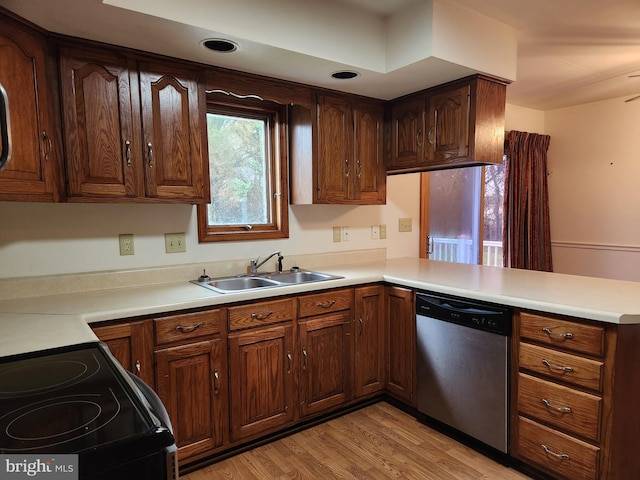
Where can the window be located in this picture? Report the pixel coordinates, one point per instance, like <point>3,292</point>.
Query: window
<point>462,214</point>
<point>247,173</point>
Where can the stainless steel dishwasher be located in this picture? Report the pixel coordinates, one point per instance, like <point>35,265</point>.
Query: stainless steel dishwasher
<point>463,366</point>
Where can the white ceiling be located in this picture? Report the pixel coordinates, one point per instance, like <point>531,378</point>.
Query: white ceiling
<point>569,52</point>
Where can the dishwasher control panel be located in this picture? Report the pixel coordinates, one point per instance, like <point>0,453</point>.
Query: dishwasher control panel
<point>483,316</point>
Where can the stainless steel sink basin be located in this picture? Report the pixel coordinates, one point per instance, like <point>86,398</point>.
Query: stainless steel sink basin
<point>233,284</point>
<point>300,276</point>
<point>263,280</point>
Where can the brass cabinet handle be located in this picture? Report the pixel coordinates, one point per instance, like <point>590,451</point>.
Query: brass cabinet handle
<point>138,367</point>
<point>429,136</point>
<point>188,329</point>
<point>419,137</point>
<point>5,129</point>
<point>328,304</point>
<point>557,408</point>
<point>216,381</point>
<point>361,326</point>
<point>347,167</point>
<point>47,139</point>
<point>561,456</point>
<point>560,336</point>
<point>290,362</point>
<point>359,171</point>
<point>261,316</point>
<point>552,366</point>
<point>304,354</point>
<point>127,152</point>
<point>150,154</point>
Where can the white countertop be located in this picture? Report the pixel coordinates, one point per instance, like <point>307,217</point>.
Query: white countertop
<point>63,316</point>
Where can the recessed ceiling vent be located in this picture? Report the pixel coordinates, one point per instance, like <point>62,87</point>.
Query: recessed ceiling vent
<point>220,45</point>
<point>345,74</point>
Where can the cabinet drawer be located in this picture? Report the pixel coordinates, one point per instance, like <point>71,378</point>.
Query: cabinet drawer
<point>563,407</point>
<point>562,366</point>
<point>556,452</point>
<point>325,302</point>
<point>190,325</point>
<point>260,313</point>
<point>578,337</point>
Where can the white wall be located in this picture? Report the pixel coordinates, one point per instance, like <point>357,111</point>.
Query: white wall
<point>594,194</point>
<point>44,239</point>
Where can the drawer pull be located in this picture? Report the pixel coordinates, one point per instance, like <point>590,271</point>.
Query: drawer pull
<point>328,304</point>
<point>558,409</point>
<point>261,316</point>
<point>552,366</point>
<point>216,381</point>
<point>559,336</point>
<point>188,329</point>
<point>559,456</point>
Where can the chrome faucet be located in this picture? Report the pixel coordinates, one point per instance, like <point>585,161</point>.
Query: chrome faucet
<point>256,263</point>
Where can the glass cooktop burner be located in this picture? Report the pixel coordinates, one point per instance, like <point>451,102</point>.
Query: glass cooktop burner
<point>66,402</point>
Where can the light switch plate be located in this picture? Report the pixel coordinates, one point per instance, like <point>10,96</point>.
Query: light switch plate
<point>175,243</point>
<point>404,225</point>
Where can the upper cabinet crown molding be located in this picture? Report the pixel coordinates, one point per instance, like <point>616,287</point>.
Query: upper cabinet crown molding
<point>458,124</point>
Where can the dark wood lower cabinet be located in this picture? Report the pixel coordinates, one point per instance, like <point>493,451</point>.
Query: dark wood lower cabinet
<point>191,382</point>
<point>401,344</point>
<point>262,381</point>
<point>368,334</point>
<point>132,345</point>
<point>325,362</point>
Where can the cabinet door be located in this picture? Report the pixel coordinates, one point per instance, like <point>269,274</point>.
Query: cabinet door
<point>369,176</point>
<point>334,168</point>
<point>191,382</point>
<point>132,345</point>
<point>31,171</point>
<point>102,126</point>
<point>407,133</point>
<point>325,347</point>
<point>174,133</point>
<point>369,340</point>
<point>261,372</point>
<point>448,135</point>
<point>401,344</point>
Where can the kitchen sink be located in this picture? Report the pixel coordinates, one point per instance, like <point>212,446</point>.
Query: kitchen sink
<point>300,276</point>
<point>262,280</point>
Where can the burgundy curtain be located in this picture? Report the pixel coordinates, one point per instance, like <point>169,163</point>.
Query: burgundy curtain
<point>526,232</point>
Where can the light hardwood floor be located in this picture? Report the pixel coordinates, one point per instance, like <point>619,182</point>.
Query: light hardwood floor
<point>376,442</point>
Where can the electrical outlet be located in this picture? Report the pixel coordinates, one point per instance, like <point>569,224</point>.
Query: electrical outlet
<point>345,234</point>
<point>175,243</point>
<point>404,225</point>
<point>375,232</point>
<point>126,243</point>
<point>337,234</point>
<point>383,232</point>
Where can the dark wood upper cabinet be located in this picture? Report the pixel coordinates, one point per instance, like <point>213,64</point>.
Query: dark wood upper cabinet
<point>458,124</point>
<point>337,152</point>
<point>30,144</point>
<point>134,131</point>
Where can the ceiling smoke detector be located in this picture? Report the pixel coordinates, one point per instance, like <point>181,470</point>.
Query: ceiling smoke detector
<point>220,45</point>
<point>345,74</point>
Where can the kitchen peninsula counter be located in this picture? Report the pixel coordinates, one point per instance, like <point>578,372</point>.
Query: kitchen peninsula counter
<point>604,300</point>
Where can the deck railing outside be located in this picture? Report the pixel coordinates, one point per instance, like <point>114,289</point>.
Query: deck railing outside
<point>460,250</point>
